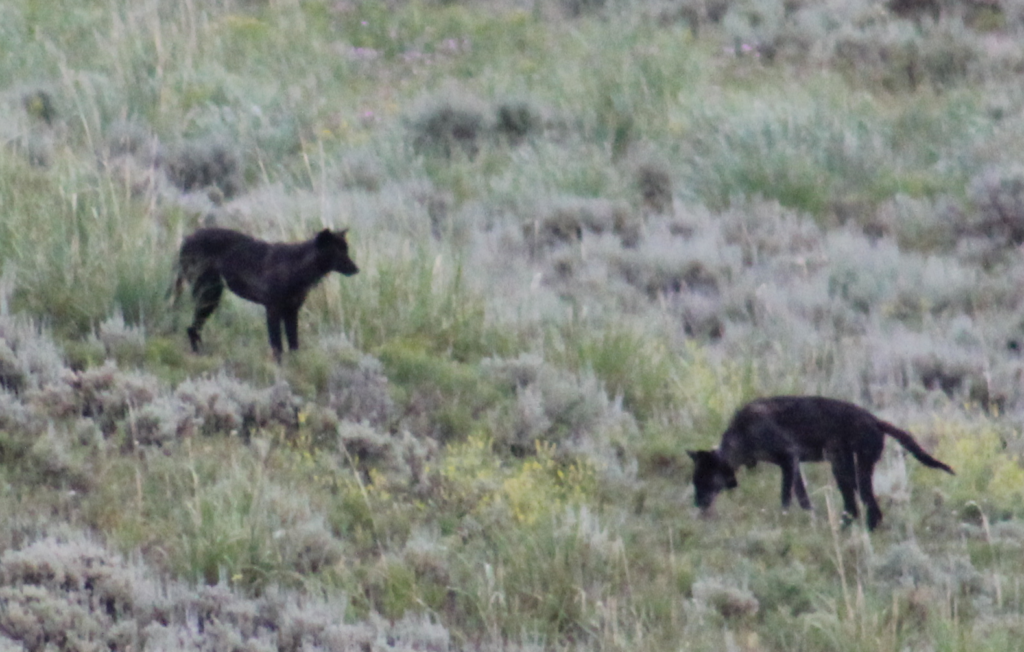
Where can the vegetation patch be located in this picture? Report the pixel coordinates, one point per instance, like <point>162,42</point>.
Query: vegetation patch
<point>587,232</point>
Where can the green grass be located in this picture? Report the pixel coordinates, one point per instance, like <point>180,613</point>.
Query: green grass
<point>485,431</point>
<point>81,247</point>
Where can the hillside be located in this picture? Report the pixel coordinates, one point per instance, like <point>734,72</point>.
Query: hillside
<point>587,232</point>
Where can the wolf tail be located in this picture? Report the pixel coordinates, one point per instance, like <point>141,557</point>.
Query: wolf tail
<point>908,442</point>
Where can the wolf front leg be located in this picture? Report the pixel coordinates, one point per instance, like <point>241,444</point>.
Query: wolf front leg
<point>291,328</point>
<point>274,331</point>
<point>801,488</point>
<point>790,465</point>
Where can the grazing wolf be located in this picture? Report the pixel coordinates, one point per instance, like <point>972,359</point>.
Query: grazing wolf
<point>787,430</point>
<point>277,275</point>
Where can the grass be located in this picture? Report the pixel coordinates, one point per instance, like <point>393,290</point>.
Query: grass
<point>587,233</point>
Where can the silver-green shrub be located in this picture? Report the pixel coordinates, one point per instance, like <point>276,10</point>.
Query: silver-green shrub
<point>68,594</point>
<point>728,600</point>
<point>163,420</point>
<point>121,340</point>
<point>202,164</point>
<point>71,592</point>
<point>401,457</point>
<point>555,407</point>
<point>358,392</point>
<point>449,122</point>
<point>563,220</point>
<point>29,359</point>
<point>226,405</point>
<point>997,199</point>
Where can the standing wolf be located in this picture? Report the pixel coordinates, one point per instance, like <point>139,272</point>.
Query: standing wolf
<point>277,275</point>
<point>787,430</point>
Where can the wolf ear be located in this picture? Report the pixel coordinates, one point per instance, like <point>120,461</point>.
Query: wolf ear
<point>324,238</point>
<point>694,455</point>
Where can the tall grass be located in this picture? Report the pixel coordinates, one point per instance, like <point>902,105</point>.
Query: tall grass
<point>587,233</point>
<point>79,246</point>
<point>419,294</point>
<point>811,155</point>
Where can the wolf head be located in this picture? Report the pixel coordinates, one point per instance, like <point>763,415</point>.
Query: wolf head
<point>711,475</point>
<point>333,246</point>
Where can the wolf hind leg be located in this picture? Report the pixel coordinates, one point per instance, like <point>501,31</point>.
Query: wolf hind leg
<point>846,478</point>
<point>865,471</point>
<point>206,291</point>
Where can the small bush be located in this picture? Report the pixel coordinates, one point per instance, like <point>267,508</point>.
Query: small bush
<point>553,407</point>
<point>12,377</point>
<point>754,25</point>
<point>783,588</point>
<point>997,197</point>
<point>131,139</point>
<point>203,164</point>
<point>578,8</point>
<point>729,601</point>
<point>358,391</point>
<point>912,9</point>
<point>400,458</point>
<point>19,419</point>
<point>74,594</point>
<point>122,341</point>
<point>104,394</point>
<point>653,180</point>
<point>877,278</point>
<point>898,55</point>
<point>770,235</point>
<point>918,224</point>
<point>70,592</point>
<point>363,171</point>
<point>934,361</point>
<point>40,104</point>
<point>905,563</point>
<point>29,359</point>
<point>516,121</point>
<point>132,155</point>
<point>565,220</point>
<point>669,266</point>
<point>164,420</point>
<point>694,13</point>
<point>444,125</point>
<point>224,405</point>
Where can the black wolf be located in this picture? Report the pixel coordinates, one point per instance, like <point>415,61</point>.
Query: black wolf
<point>787,430</point>
<point>277,275</point>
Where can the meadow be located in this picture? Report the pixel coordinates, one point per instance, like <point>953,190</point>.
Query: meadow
<point>588,231</point>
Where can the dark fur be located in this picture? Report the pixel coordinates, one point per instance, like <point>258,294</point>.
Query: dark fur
<point>277,275</point>
<point>787,430</point>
